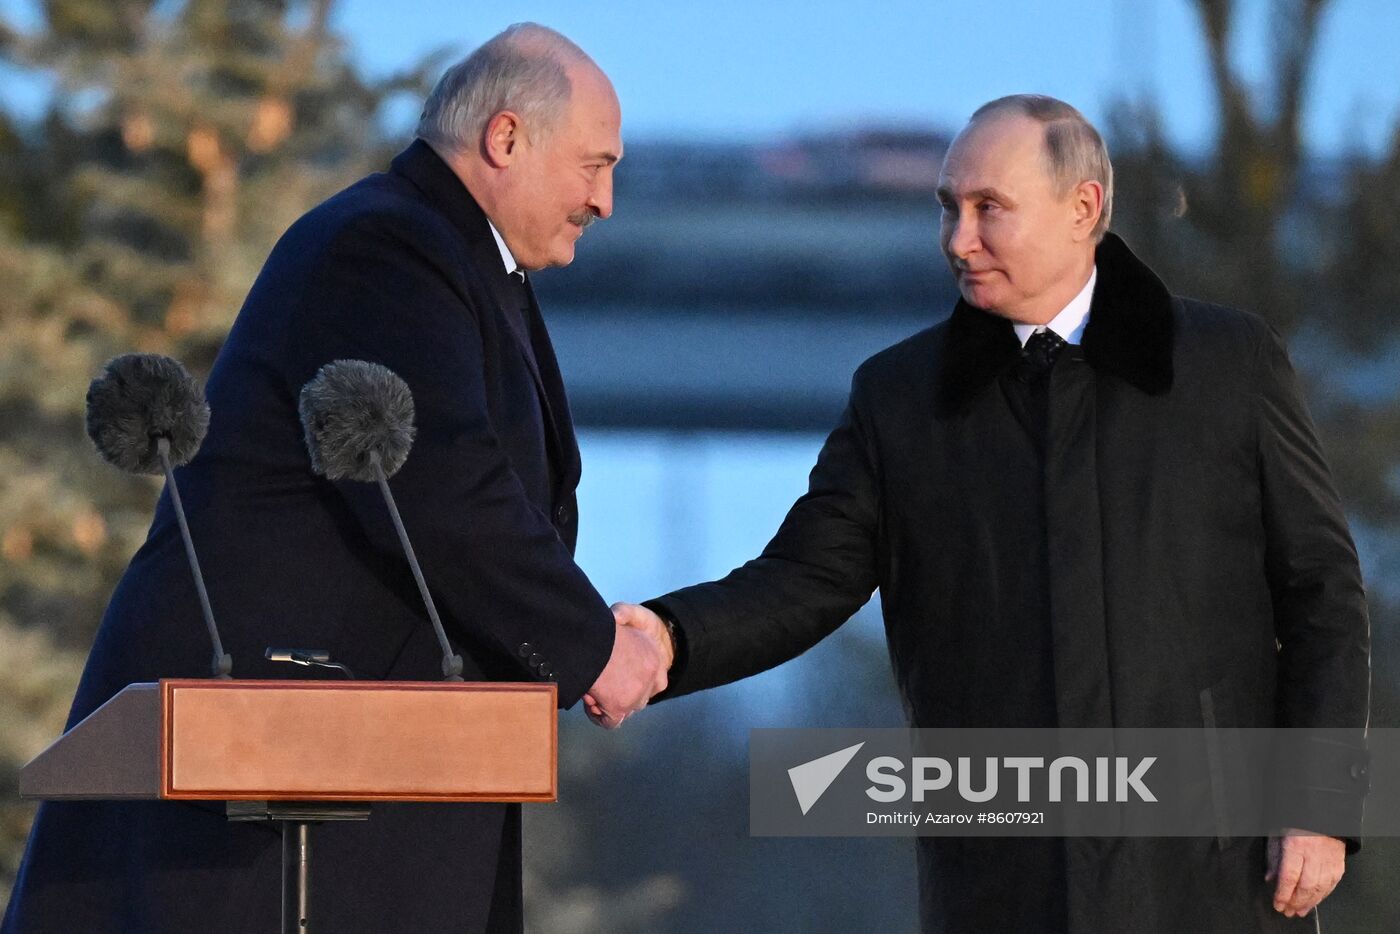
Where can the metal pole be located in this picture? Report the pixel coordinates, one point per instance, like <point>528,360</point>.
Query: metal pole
<point>223,663</point>
<point>451,662</point>
<point>296,877</point>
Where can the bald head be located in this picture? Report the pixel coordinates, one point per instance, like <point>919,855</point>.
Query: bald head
<point>527,69</point>
<point>1073,149</point>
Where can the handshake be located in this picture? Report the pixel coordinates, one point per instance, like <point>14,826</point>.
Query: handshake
<point>642,654</point>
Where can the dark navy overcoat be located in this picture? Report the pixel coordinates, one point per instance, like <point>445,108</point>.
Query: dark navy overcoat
<point>400,269</point>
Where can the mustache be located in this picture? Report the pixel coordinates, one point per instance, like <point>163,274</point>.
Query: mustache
<point>584,219</point>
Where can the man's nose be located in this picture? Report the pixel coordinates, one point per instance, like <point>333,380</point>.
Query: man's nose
<point>962,238</point>
<point>601,198</point>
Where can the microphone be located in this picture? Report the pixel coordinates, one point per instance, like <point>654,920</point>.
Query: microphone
<point>358,420</point>
<point>308,658</point>
<point>147,415</point>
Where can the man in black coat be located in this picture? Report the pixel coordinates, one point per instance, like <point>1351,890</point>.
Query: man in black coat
<point>420,269</point>
<point>1086,502</point>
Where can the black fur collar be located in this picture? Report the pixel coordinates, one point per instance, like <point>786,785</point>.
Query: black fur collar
<point>1129,333</point>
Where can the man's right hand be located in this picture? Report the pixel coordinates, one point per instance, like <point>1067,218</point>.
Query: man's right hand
<point>635,671</point>
<point>639,617</point>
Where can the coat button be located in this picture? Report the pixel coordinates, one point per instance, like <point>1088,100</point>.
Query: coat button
<point>561,515</point>
<point>546,671</point>
<point>536,660</point>
<point>525,650</point>
<point>1358,771</point>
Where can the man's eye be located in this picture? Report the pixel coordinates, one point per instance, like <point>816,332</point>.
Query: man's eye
<point>988,206</point>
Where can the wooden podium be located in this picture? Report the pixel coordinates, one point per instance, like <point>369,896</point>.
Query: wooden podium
<point>303,752</point>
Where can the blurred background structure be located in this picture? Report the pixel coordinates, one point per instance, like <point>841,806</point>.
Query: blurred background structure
<point>775,224</point>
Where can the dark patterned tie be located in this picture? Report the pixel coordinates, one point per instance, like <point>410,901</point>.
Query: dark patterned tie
<point>1041,350</point>
<point>1029,390</point>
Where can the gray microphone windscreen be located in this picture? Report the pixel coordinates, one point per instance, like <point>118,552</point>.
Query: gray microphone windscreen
<point>351,408</point>
<point>138,399</point>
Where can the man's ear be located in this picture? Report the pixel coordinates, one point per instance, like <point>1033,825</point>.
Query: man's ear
<point>1086,200</point>
<point>502,136</point>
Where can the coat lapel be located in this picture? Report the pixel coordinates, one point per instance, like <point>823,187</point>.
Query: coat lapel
<point>552,395</point>
<point>1131,323</point>
<point>1129,333</point>
<point>426,170</point>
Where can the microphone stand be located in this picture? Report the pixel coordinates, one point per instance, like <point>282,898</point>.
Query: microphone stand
<point>223,662</point>
<point>451,662</point>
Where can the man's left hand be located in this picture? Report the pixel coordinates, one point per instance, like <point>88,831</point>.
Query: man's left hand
<point>1308,867</point>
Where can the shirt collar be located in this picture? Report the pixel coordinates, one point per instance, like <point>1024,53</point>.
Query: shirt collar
<point>512,267</point>
<point>1072,319</point>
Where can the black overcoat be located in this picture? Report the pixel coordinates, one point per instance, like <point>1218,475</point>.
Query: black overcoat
<point>1171,555</point>
<point>400,269</point>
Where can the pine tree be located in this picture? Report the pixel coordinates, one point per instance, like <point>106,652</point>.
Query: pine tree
<point>181,140</point>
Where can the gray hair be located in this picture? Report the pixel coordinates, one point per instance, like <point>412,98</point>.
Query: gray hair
<point>523,69</point>
<point>1074,150</point>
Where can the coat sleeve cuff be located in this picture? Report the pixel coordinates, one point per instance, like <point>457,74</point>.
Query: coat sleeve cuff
<point>688,638</point>
<point>1324,785</point>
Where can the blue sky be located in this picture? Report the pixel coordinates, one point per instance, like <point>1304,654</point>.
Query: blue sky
<point>735,69</point>
<point>740,68</point>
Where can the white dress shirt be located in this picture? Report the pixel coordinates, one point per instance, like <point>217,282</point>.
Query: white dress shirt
<point>512,267</point>
<point>1069,323</point>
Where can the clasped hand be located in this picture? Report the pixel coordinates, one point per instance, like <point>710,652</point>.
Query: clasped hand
<point>636,671</point>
